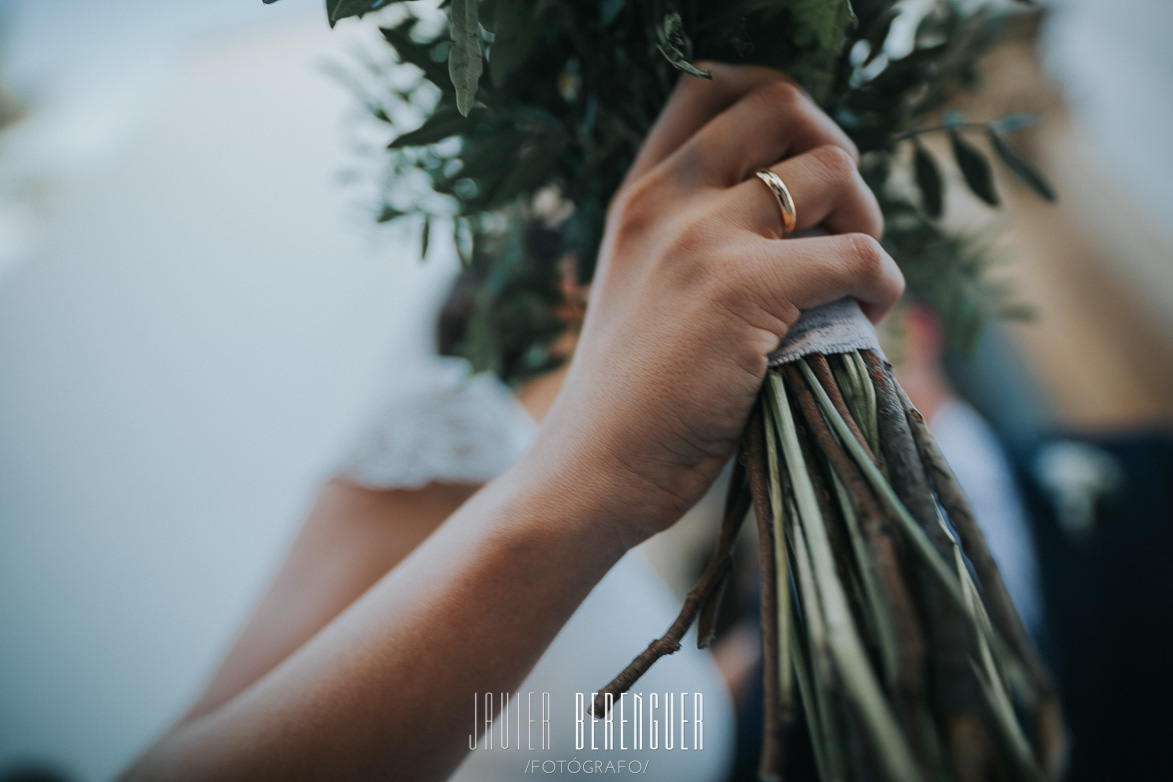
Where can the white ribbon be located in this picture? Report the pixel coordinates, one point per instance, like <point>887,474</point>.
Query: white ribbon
<point>838,327</point>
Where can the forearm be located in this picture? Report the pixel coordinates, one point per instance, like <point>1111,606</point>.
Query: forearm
<point>351,538</point>
<point>385,688</point>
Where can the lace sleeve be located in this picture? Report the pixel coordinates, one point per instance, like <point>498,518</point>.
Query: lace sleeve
<point>439,423</point>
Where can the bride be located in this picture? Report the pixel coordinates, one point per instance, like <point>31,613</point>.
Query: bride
<point>412,596</point>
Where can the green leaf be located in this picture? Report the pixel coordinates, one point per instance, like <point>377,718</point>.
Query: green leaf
<point>425,237</point>
<point>445,123</point>
<point>389,213</point>
<point>820,32</point>
<point>341,9</point>
<point>418,54</point>
<point>928,179</point>
<point>821,24</point>
<point>1022,167</point>
<point>463,238</point>
<point>464,61</point>
<point>975,168</point>
<point>676,46</point>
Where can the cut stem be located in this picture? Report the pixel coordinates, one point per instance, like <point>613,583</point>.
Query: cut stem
<point>773,727</point>
<point>709,583</point>
<point>851,661</point>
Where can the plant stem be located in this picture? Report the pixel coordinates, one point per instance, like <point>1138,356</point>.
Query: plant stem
<point>956,690</point>
<point>773,738</point>
<point>982,126</point>
<point>900,635</point>
<point>737,503</point>
<point>1048,721</point>
<point>709,583</point>
<point>781,568</point>
<point>851,661</point>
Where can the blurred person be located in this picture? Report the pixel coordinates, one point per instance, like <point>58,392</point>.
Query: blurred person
<point>402,598</point>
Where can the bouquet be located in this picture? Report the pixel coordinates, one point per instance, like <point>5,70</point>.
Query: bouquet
<point>884,616</point>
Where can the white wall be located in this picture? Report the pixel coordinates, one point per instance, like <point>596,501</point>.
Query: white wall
<point>205,315</point>
<point>1114,59</point>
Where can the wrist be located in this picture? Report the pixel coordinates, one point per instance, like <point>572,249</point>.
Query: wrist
<point>588,483</point>
<point>564,490</point>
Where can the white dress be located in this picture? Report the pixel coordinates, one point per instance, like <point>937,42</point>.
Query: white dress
<point>439,424</point>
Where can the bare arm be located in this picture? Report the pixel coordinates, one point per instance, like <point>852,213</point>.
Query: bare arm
<point>694,289</point>
<point>381,691</point>
<point>351,538</point>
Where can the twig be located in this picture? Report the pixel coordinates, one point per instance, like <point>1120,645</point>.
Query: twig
<point>903,652</point>
<point>883,561</point>
<point>706,623</point>
<point>773,738</point>
<point>822,370</point>
<point>822,715</point>
<point>737,503</point>
<point>956,689</point>
<point>830,514</point>
<point>711,580</point>
<point>785,620</point>
<point>1048,727</point>
<point>957,126</point>
<point>852,665</point>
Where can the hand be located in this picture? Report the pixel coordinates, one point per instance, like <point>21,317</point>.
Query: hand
<point>693,291</point>
<point>695,287</point>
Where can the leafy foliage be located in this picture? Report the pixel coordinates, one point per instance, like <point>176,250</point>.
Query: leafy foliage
<point>675,45</point>
<point>1021,166</point>
<point>928,179</point>
<point>341,9</point>
<point>464,62</point>
<point>573,86</point>
<point>974,168</point>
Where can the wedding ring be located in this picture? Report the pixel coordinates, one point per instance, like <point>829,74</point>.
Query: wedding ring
<point>785,202</point>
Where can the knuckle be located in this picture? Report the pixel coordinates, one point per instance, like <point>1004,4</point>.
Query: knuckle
<point>690,247</point>
<point>837,161</point>
<point>867,255</point>
<point>637,205</point>
<point>874,268</point>
<point>781,94</point>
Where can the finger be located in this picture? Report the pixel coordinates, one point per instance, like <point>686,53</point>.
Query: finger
<point>771,123</point>
<point>805,273</point>
<point>693,103</point>
<point>827,190</point>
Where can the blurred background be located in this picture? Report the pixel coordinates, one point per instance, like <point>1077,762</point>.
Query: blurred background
<point>196,308</point>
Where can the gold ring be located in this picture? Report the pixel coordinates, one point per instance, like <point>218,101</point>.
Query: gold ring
<point>785,201</point>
